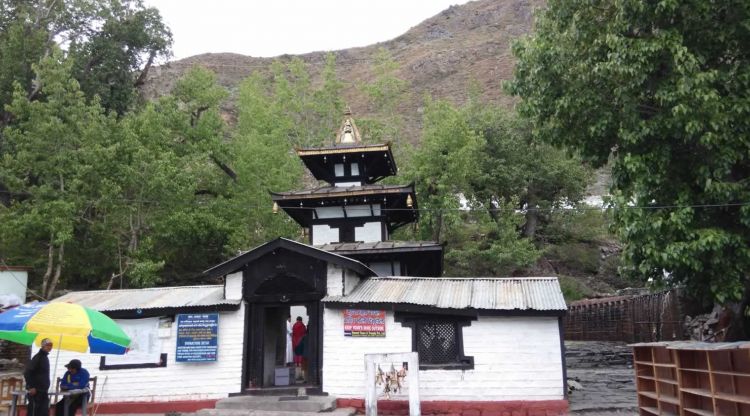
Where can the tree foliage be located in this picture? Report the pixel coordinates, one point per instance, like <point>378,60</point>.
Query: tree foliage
<point>161,192</point>
<point>661,88</point>
<point>515,166</point>
<point>482,235</point>
<point>99,198</point>
<point>112,43</point>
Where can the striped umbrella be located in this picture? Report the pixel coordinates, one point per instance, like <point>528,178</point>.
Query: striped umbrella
<point>71,327</point>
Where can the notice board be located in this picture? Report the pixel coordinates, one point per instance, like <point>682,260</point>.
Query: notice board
<point>364,323</point>
<point>197,337</point>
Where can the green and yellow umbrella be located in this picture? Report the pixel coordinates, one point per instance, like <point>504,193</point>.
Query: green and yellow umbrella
<point>72,327</point>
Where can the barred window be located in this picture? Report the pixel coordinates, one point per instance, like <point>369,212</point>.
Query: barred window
<point>439,341</point>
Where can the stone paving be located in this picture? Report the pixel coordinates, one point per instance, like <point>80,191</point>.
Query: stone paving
<point>604,371</point>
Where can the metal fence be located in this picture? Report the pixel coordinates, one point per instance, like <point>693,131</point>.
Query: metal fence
<point>645,318</point>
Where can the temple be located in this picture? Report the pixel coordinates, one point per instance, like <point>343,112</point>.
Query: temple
<point>484,345</point>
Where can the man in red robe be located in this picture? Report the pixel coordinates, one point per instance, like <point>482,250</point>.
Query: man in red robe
<point>299,331</point>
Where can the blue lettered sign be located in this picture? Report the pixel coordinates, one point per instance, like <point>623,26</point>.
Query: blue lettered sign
<point>197,337</point>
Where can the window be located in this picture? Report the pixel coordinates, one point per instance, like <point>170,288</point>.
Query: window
<point>439,341</point>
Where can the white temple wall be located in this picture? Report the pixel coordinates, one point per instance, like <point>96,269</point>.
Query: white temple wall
<point>515,358</point>
<point>177,381</point>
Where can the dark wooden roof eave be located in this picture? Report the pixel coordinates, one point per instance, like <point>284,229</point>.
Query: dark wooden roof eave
<point>239,262</point>
<point>331,192</point>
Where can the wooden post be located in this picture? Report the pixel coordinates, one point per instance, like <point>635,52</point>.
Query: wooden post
<point>371,394</point>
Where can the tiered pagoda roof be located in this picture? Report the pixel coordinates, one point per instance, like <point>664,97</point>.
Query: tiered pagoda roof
<point>398,202</point>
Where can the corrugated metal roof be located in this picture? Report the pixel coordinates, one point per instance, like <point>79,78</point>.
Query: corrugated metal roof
<point>526,293</point>
<point>150,298</point>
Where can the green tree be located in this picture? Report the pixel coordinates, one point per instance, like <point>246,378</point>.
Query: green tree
<point>312,109</point>
<point>661,88</point>
<point>443,166</point>
<point>481,234</point>
<point>139,199</point>
<point>265,162</point>
<point>114,60</point>
<point>174,181</point>
<point>50,164</point>
<point>329,105</point>
<point>386,92</point>
<point>513,165</point>
<point>114,43</point>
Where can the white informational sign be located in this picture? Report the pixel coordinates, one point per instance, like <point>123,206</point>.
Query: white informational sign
<point>145,344</point>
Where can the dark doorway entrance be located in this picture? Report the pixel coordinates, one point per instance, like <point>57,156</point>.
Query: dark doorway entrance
<point>268,339</point>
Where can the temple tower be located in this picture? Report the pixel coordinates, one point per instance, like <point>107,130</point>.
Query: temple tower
<point>355,216</point>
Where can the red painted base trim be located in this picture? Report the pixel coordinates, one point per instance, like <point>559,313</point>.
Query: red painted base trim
<point>187,406</point>
<point>466,408</point>
<point>155,407</point>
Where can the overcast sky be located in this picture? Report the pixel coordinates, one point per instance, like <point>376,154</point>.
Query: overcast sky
<point>270,28</point>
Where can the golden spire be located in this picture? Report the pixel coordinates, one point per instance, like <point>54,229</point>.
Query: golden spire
<point>348,133</point>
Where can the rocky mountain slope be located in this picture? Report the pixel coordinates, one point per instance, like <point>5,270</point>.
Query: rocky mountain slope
<point>440,56</point>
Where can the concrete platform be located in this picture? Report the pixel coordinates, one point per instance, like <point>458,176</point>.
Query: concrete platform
<point>282,404</point>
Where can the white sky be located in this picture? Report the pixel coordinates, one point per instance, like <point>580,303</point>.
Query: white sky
<point>267,28</point>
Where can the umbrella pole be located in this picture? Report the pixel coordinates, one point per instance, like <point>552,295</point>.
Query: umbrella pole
<point>54,369</point>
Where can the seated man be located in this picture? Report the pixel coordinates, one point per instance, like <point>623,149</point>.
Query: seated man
<point>74,379</point>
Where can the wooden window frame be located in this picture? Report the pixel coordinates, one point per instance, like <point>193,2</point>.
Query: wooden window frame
<point>414,322</point>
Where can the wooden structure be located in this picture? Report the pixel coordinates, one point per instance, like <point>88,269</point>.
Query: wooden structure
<point>645,318</point>
<point>7,386</point>
<point>693,378</point>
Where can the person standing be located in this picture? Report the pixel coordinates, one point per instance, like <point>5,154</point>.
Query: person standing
<point>289,353</point>
<point>298,342</point>
<point>75,378</point>
<point>37,380</point>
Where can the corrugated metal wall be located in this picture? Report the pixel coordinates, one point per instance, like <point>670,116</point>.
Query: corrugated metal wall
<point>646,318</point>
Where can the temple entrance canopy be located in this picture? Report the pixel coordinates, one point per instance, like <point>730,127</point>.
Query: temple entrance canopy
<point>279,280</point>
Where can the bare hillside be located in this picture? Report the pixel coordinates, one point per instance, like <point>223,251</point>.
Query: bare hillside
<point>440,56</point>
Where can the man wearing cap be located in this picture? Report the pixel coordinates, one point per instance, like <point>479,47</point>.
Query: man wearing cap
<point>75,378</point>
<point>37,380</point>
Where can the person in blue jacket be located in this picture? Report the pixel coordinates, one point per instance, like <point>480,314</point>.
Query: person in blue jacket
<point>75,378</point>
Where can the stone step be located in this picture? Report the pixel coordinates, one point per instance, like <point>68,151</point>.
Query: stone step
<point>277,403</point>
<point>346,411</point>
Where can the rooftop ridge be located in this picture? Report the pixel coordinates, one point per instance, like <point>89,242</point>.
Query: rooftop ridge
<point>145,288</point>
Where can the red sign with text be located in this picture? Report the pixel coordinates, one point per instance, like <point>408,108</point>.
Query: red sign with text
<point>364,323</point>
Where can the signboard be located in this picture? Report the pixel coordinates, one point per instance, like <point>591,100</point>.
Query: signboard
<point>197,337</point>
<point>364,323</point>
<point>145,345</point>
